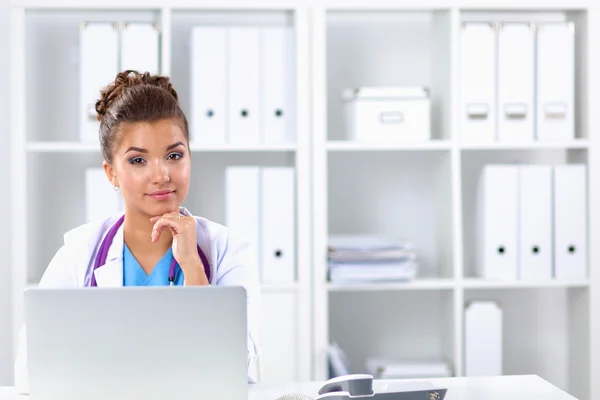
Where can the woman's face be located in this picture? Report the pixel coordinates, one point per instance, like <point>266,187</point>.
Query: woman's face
<point>151,165</point>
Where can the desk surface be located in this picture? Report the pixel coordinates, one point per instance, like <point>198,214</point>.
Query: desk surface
<point>518,387</point>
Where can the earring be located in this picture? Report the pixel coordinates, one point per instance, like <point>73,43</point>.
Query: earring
<point>116,188</point>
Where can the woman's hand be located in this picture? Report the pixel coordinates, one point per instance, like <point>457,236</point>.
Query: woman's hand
<point>183,230</point>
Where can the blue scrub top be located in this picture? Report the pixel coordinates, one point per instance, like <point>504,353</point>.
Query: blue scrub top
<point>134,274</point>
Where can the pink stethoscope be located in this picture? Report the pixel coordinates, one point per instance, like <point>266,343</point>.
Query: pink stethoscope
<point>103,253</point>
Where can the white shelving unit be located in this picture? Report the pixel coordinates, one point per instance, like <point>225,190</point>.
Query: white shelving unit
<point>424,192</point>
<point>49,191</point>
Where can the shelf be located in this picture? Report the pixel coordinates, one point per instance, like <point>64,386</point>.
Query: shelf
<point>78,147</point>
<point>440,145</point>
<point>418,284</point>
<point>550,145</point>
<point>343,145</point>
<point>447,284</point>
<point>286,147</point>
<point>474,283</point>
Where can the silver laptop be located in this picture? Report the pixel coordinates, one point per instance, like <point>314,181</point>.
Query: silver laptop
<point>137,343</point>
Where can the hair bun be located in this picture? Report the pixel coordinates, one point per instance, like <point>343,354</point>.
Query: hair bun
<point>128,79</point>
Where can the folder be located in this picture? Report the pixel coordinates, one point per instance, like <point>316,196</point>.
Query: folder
<point>98,62</point>
<point>101,199</point>
<point>483,339</point>
<point>278,225</point>
<point>139,48</point>
<point>242,204</point>
<point>516,53</point>
<point>208,71</point>
<point>535,222</point>
<point>277,81</point>
<point>497,207</point>
<point>570,222</point>
<point>478,81</point>
<point>555,81</point>
<point>244,86</point>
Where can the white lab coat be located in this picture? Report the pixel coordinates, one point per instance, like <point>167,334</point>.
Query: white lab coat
<point>231,259</point>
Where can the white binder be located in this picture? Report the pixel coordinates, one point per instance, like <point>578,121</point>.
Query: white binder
<point>497,222</point>
<point>516,110</point>
<point>208,72</point>
<point>139,47</point>
<point>555,81</point>
<point>242,204</point>
<point>98,63</point>
<point>483,339</point>
<point>478,82</point>
<point>278,225</point>
<point>101,199</point>
<point>570,222</point>
<point>244,85</point>
<point>277,85</point>
<point>535,222</point>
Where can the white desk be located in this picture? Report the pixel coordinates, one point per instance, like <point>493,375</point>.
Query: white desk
<point>522,387</point>
<point>518,387</point>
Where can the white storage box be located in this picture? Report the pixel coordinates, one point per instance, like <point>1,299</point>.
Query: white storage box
<point>396,114</point>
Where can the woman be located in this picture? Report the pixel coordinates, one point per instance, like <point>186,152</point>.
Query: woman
<point>144,139</point>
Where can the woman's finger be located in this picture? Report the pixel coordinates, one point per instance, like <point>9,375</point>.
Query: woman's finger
<point>156,218</point>
<point>174,222</point>
<point>164,222</point>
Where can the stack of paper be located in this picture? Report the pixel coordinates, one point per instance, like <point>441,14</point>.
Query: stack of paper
<point>370,258</point>
<point>397,369</point>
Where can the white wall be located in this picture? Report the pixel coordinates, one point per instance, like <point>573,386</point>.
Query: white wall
<point>6,376</point>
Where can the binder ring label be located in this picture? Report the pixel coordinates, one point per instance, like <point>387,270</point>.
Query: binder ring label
<point>555,110</point>
<point>515,111</point>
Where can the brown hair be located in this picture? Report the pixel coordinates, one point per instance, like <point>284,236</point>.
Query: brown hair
<point>136,97</point>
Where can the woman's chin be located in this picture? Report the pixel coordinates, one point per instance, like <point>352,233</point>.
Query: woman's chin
<point>161,209</point>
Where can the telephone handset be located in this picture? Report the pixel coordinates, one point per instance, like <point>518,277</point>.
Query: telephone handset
<point>360,386</point>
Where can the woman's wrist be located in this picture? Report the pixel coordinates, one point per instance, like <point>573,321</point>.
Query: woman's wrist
<point>193,274</point>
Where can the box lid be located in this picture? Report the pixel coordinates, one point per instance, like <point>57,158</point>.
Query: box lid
<point>385,93</point>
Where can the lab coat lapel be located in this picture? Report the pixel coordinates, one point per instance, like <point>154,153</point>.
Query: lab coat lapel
<point>111,273</point>
<point>185,211</point>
